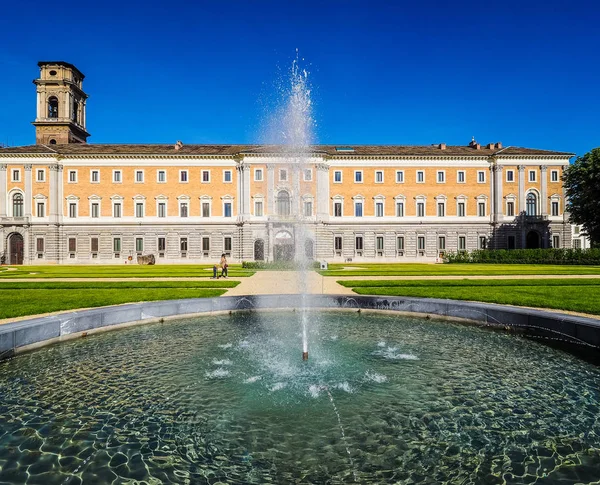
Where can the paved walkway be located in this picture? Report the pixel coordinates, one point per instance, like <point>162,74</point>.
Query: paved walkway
<point>283,282</point>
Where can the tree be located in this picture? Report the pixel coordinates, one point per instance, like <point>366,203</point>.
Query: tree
<point>582,185</point>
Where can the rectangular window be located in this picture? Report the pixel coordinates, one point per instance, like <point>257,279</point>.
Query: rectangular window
<point>162,209</point>
<point>442,242</point>
<point>72,176</point>
<point>441,209</point>
<point>283,175</point>
<point>227,243</point>
<point>358,176</point>
<point>117,245</point>
<point>95,176</point>
<point>161,176</point>
<point>337,209</point>
<point>461,209</point>
<point>510,176</point>
<point>420,177</point>
<point>358,209</point>
<point>205,243</point>
<point>462,243</point>
<point>358,243</point>
<point>337,241</point>
<point>94,245</point>
<point>183,244</point>
<point>16,175</point>
<point>308,208</point>
<point>460,177</point>
<point>39,244</point>
<point>399,176</point>
<point>532,175</point>
<point>400,243</point>
<point>554,208</point>
<point>307,175</point>
<point>337,177</point>
<point>205,176</point>
<point>117,176</point>
<point>183,176</point>
<point>481,177</point>
<point>183,209</point>
<point>481,209</point>
<point>139,244</point>
<point>420,209</point>
<point>162,244</point>
<point>41,175</point>
<point>379,209</point>
<point>576,243</point>
<point>227,176</point>
<point>379,243</point>
<point>555,241</point>
<point>41,212</point>
<point>139,209</point>
<point>510,208</point>
<point>258,175</point>
<point>72,244</point>
<point>441,177</point>
<point>205,209</point>
<point>72,210</point>
<point>227,209</point>
<point>399,209</point>
<point>482,242</point>
<point>258,208</point>
<point>117,209</point>
<point>511,242</point>
<point>554,177</point>
<point>421,243</point>
<point>95,209</point>
<point>378,176</point>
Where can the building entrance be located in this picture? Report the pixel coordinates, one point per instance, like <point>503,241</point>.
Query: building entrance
<point>15,249</point>
<point>284,247</point>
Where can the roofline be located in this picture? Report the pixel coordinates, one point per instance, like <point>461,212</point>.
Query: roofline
<point>62,63</point>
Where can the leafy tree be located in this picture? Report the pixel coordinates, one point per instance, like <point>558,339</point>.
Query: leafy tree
<point>582,184</point>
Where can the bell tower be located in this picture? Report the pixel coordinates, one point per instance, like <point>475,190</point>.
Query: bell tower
<point>61,103</point>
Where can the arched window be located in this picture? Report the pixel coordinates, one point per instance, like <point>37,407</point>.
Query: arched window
<point>75,114</point>
<point>52,107</point>
<point>259,250</point>
<point>17,205</point>
<point>531,204</point>
<point>283,203</point>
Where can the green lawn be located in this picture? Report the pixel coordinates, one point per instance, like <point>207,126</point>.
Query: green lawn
<point>125,271</point>
<point>579,295</point>
<point>31,298</point>
<point>419,269</point>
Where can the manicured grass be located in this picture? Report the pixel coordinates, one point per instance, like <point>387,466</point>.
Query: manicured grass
<point>125,271</point>
<point>579,295</point>
<point>416,269</point>
<point>116,285</point>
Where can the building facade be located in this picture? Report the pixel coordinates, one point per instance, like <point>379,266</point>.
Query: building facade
<point>66,201</point>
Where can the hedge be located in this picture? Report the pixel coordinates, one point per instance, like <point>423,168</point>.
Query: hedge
<point>526,256</point>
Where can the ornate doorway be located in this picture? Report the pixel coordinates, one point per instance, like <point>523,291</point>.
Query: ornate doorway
<point>15,249</point>
<point>284,247</point>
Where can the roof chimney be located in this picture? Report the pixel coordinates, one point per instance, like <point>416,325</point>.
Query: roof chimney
<point>490,146</point>
<point>499,145</point>
<point>178,145</point>
<point>442,146</point>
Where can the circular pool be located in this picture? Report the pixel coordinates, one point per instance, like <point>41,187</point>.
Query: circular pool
<point>227,398</point>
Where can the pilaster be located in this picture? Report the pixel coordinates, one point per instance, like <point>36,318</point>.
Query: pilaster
<point>270,189</point>
<point>3,189</point>
<point>322,191</point>
<point>521,169</point>
<point>28,190</point>
<point>544,190</point>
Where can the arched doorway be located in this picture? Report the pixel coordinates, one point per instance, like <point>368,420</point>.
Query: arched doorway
<point>284,246</point>
<point>15,249</point>
<point>309,249</point>
<point>259,250</point>
<point>533,240</point>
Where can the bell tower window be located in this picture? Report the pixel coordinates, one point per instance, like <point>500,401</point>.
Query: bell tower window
<point>75,113</point>
<point>52,107</point>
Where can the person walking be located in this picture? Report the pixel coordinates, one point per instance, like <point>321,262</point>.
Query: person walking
<point>224,266</point>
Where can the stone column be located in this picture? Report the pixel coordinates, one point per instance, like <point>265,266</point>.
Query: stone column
<point>39,105</point>
<point>239,192</point>
<point>521,169</point>
<point>53,209</point>
<point>60,190</point>
<point>544,190</point>
<point>3,189</point>
<point>322,191</point>
<point>246,190</point>
<point>28,189</point>
<point>270,189</point>
<point>296,207</point>
<point>499,205</point>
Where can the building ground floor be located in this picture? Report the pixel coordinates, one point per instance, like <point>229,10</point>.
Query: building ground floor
<point>268,241</point>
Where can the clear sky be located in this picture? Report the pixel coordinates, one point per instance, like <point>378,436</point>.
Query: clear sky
<point>524,73</point>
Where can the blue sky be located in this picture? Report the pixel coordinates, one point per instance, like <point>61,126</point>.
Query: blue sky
<point>524,73</point>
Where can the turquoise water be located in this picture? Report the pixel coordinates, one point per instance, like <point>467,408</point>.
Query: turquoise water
<point>227,399</point>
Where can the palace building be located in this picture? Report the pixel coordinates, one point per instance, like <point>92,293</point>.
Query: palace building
<point>65,201</point>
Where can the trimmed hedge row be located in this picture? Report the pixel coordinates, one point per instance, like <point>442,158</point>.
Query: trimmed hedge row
<point>526,256</point>
<point>276,265</point>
